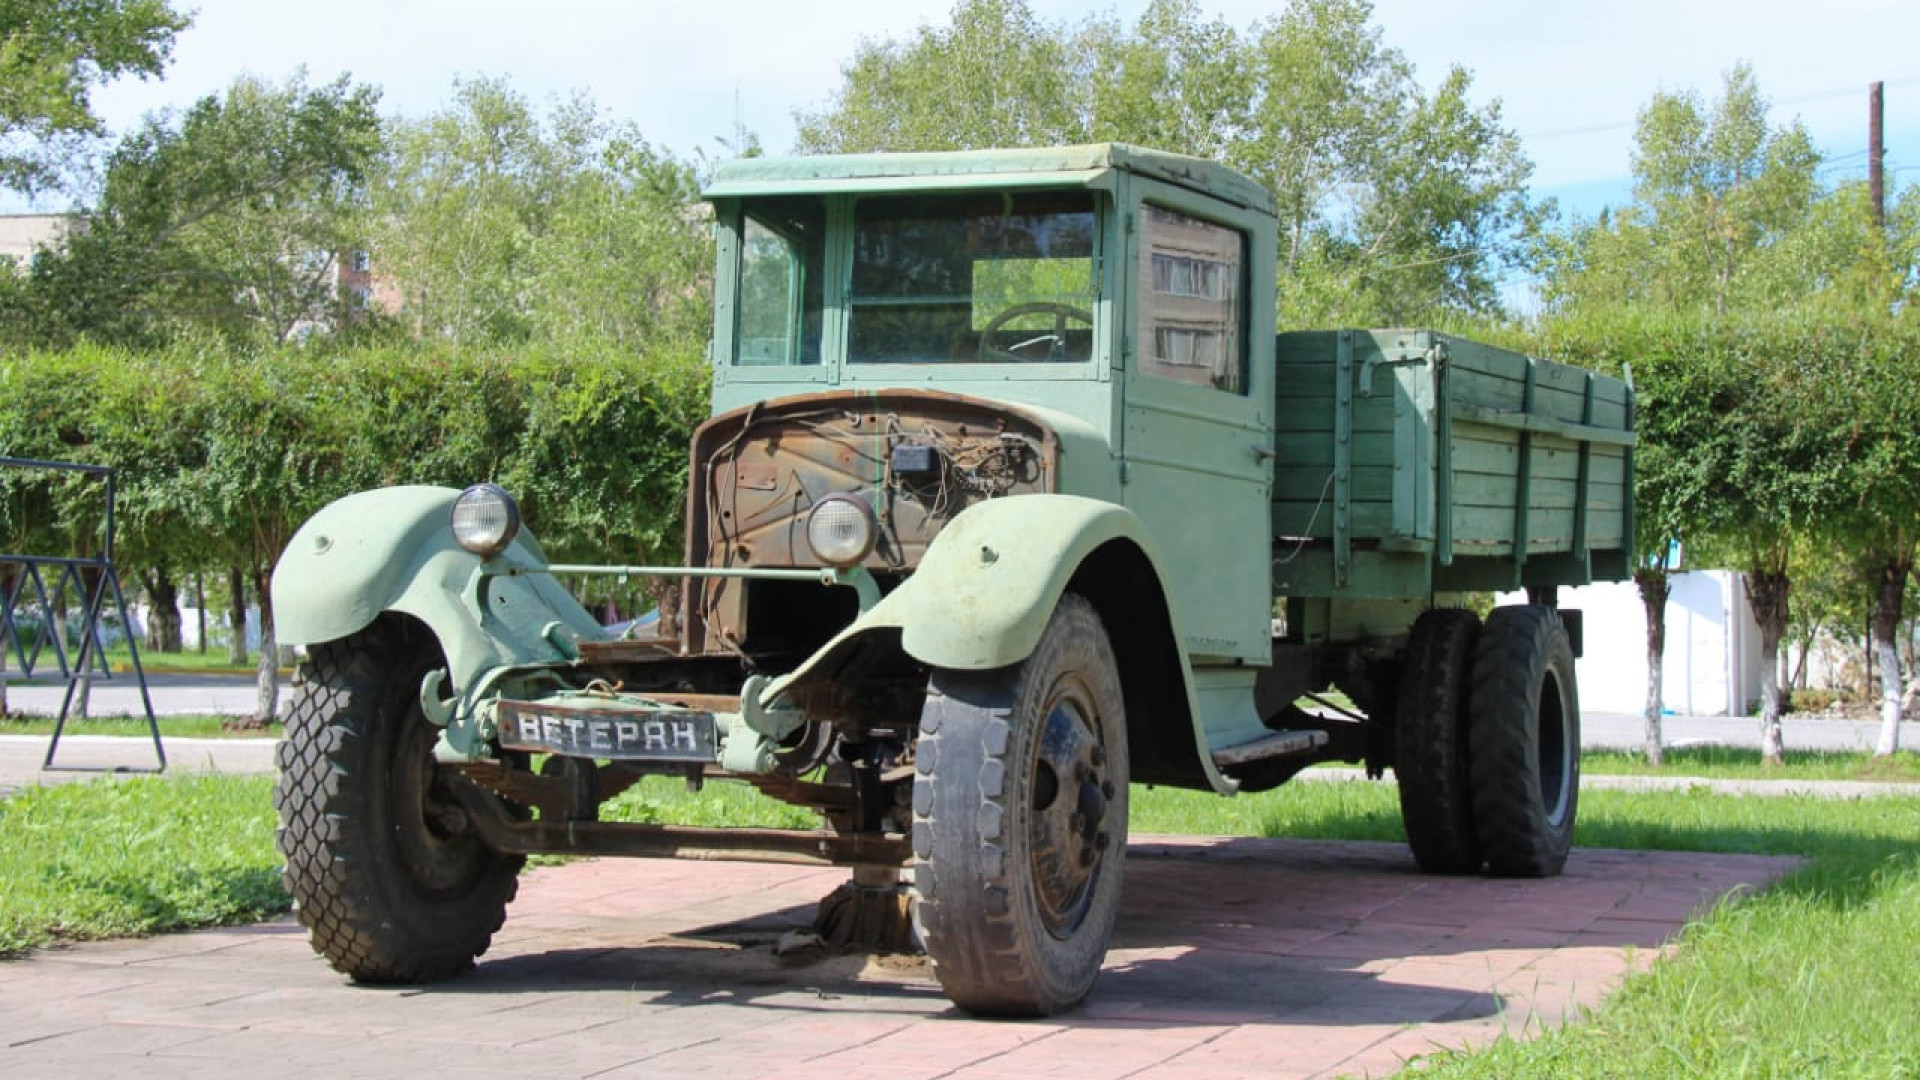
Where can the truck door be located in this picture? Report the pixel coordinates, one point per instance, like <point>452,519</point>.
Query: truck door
<point>1197,439</point>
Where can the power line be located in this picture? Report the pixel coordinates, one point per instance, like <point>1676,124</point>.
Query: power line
<point>1803,99</point>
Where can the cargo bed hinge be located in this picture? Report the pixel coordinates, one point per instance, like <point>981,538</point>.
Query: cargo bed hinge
<point>1435,356</point>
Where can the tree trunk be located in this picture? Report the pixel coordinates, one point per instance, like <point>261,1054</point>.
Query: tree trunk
<point>237,615</point>
<point>200,608</point>
<point>6,637</point>
<point>1655,586</point>
<point>1767,592</point>
<point>267,705</point>
<point>163,610</point>
<point>1886,623</point>
<point>1866,644</point>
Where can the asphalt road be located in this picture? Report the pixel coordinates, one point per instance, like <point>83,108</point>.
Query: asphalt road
<point>233,695</point>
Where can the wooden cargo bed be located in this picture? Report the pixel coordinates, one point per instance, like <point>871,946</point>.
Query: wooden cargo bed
<point>1409,462</point>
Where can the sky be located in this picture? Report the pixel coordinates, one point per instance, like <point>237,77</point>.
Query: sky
<point>1570,77</point>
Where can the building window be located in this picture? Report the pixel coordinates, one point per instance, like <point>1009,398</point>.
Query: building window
<point>1180,275</point>
<point>362,261</point>
<point>1192,312</point>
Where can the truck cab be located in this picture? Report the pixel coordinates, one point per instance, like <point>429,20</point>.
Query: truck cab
<point>1081,321</point>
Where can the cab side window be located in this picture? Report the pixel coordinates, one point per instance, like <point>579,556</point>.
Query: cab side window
<point>1192,300</point>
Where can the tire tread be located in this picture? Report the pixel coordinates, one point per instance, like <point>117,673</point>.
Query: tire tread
<point>325,792</point>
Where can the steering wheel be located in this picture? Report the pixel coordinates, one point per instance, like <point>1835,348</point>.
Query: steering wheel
<point>1055,339</point>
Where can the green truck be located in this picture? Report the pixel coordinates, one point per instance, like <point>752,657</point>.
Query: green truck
<point>1012,498</point>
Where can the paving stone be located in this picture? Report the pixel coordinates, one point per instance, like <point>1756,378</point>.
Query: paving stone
<point>1233,958</point>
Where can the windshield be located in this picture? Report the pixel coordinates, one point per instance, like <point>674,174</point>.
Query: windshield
<point>991,278</point>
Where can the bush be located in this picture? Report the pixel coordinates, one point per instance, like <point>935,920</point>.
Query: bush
<point>222,453</point>
<point>1813,701</point>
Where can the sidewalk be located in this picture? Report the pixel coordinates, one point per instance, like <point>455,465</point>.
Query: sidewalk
<point>173,694</point>
<point>97,755</point>
<point>1275,959</point>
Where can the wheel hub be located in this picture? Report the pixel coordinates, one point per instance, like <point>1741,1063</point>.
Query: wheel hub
<point>1071,793</point>
<point>430,827</point>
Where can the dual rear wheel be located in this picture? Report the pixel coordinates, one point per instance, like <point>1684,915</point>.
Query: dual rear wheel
<point>1487,752</point>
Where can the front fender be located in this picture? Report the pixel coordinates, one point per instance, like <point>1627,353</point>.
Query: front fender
<point>986,587</point>
<point>988,583</point>
<point>391,549</point>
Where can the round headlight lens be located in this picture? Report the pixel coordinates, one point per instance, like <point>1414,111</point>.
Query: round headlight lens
<point>841,530</point>
<point>485,520</point>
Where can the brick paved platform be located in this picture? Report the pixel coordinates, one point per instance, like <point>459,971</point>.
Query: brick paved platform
<point>1234,958</point>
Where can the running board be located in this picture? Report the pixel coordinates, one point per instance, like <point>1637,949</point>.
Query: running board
<point>1276,744</point>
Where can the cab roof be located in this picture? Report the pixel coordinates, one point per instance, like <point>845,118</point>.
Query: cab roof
<point>960,170</point>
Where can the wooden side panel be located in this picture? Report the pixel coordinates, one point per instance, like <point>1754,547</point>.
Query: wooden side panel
<point>1407,442</point>
<point>1308,453</point>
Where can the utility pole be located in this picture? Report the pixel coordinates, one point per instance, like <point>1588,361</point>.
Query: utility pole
<point>1876,153</point>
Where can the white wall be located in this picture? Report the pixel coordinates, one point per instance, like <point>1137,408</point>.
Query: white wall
<point>1712,661</point>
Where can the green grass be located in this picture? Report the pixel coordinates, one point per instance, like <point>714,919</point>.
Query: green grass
<point>129,857</point>
<point>662,799</point>
<point>1815,977</point>
<point>213,660</point>
<point>171,727</point>
<point>1738,763</point>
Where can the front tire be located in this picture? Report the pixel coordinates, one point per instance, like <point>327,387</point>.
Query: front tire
<point>390,886</point>
<point>1020,822</point>
<point>1525,742</point>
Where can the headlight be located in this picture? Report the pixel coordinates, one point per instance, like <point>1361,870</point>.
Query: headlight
<point>841,530</point>
<point>485,520</point>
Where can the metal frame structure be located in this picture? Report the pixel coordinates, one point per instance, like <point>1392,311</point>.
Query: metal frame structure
<point>71,571</point>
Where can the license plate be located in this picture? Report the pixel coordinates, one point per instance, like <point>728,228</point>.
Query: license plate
<point>612,734</point>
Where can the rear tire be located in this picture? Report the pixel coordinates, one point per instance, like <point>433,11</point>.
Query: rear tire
<point>389,886</point>
<point>1525,742</point>
<point>1430,742</point>
<point>1020,822</point>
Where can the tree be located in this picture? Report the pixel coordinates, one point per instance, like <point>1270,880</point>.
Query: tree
<point>996,76</point>
<point>1447,208</point>
<point>1174,82</point>
<point>1716,192</point>
<point>247,205</point>
<point>1789,296</point>
<point>1872,369</point>
<point>1394,204</point>
<point>1683,393</point>
<point>229,220</point>
<point>52,55</point>
<point>499,224</point>
<point>273,457</point>
<point>454,207</point>
<point>625,257</point>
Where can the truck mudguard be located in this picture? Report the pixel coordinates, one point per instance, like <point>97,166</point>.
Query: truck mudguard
<point>987,586</point>
<point>391,549</point>
<point>985,589</point>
